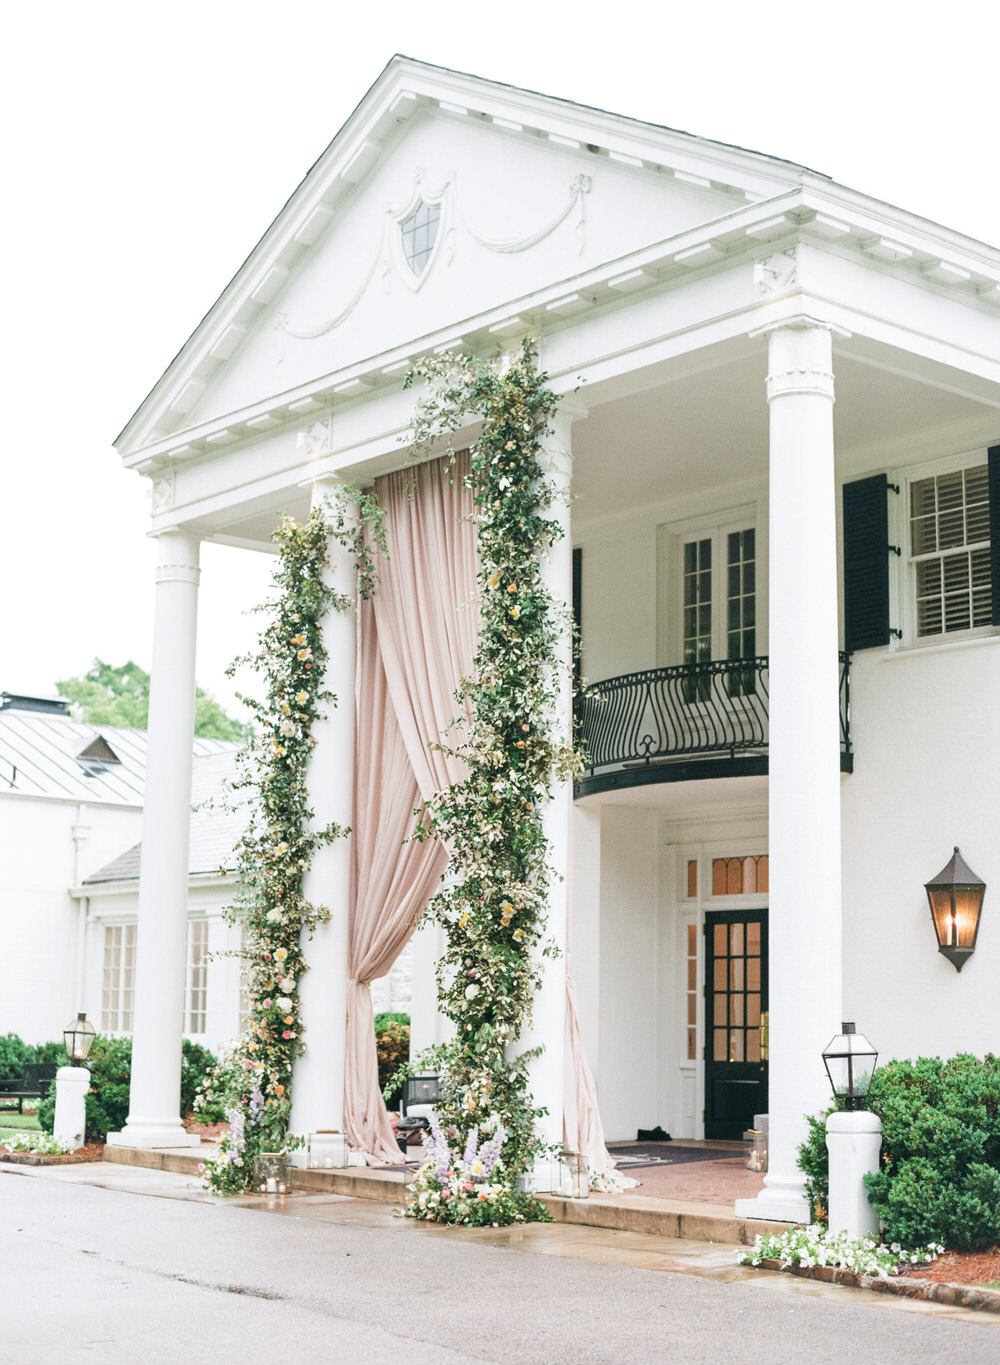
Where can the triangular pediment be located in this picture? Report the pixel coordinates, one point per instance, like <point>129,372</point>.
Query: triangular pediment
<point>527,193</point>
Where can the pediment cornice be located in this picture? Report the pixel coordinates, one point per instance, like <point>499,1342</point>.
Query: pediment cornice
<point>775,205</point>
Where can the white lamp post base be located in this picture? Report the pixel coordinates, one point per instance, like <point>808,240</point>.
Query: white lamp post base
<point>72,1084</point>
<point>854,1141</point>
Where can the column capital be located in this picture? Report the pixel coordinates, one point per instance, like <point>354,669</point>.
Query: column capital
<point>177,556</point>
<point>800,359</point>
<point>799,322</point>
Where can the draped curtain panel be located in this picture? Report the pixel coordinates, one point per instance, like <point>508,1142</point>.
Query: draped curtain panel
<point>416,640</point>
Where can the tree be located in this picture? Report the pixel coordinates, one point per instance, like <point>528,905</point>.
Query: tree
<point>109,695</point>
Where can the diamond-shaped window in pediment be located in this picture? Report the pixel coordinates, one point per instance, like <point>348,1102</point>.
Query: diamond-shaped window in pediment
<point>419,233</point>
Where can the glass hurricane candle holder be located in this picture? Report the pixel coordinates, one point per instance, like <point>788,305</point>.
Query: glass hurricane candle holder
<point>270,1173</point>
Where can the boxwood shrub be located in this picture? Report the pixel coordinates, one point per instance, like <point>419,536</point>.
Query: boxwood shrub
<point>110,1067</point>
<point>939,1179</point>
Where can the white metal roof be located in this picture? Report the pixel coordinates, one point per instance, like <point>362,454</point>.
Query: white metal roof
<point>39,757</point>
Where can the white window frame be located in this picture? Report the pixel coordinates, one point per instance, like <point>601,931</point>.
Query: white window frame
<point>901,535</point>
<point>118,977</point>
<point>673,538</point>
<point>196,978</point>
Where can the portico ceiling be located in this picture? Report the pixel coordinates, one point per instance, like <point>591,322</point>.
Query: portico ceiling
<point>708,430</point>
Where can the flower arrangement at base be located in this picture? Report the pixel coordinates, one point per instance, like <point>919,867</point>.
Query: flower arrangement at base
<point>494,911</point>
<point>468,1186</point>
<point>254,1085</point>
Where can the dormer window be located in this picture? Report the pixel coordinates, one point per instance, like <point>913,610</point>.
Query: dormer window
<point>419,233</point>
<point>97,757</point>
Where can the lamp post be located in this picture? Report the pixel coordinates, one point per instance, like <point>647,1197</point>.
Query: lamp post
<point>72,1084</point>
<point>853,1134</point>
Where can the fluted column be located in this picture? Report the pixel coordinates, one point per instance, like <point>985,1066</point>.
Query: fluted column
<point>549,1010</point>
<point>154,1098</point>
<point>318,1077</point>
<point>804,915</point>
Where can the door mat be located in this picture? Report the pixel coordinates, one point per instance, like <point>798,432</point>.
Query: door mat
<point>630,1154</point>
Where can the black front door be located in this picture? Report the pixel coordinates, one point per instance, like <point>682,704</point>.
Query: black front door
<point>735,1021</point>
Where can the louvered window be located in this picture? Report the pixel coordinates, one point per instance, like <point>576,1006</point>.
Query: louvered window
<point>950,551</point>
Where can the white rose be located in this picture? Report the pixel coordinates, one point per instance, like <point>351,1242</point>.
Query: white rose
<point>283,1003</point>
<point>471,991</point>
<point>287,983</point>
<point>274,917</point>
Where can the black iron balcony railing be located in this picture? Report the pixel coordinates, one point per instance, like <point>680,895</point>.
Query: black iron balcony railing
<point>693,711</point>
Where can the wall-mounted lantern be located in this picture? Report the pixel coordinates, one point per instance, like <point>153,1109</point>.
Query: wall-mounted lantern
<point>956,901</point>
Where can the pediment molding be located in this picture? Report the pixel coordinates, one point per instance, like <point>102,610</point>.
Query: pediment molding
<point>775,203</point>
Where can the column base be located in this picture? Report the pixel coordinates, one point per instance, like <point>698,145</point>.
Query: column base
<point>153,1134</point>
<point>780,1201</point>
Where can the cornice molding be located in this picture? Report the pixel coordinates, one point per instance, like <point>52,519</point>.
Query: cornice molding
<point>779,203</point>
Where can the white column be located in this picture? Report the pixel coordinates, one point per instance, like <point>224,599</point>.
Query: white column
<point>804,915</point>
<point>549,1011</point>
<point>154,1099</point>
<point>318,1077</point>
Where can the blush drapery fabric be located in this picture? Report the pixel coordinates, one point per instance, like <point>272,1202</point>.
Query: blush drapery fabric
<point>416,640</point>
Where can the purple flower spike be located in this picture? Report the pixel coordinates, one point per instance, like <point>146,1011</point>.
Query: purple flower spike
<point>471,1145</point>
<point>489,1153</point>
<point>437,1147</point>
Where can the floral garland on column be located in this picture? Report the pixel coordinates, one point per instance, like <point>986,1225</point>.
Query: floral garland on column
<point>278,846</point>
<point>494,911</point>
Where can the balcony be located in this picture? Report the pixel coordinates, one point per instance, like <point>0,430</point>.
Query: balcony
<point>682,723</point>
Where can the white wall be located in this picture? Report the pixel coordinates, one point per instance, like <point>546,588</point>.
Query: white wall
<point>927,777</point>
<point>38,918</point>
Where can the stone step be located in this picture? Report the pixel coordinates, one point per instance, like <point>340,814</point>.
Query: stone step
<point>625,1213</point>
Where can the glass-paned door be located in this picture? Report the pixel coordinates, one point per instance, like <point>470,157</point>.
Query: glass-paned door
<point>718,576</point>
<point>735,1021</point>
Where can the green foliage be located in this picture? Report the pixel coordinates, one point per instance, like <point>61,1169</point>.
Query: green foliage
<point>939,1179</point>
<point>940,1174</point>
<point>814,1162</point>
<point>109,695</point>
<point>392,1044</point>
<point>197,1063</point>
<point>47,1054</point>
<point>494,913</point>
<point>13,1055</point>
<point>110,1067</point>
<point>389,1017</point>
<point>281,839</point>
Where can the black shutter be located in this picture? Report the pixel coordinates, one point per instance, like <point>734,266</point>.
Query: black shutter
<point>866,563</point>
<point>994,480</point>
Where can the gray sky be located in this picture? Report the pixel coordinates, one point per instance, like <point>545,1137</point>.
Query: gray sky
<point>147,147</point>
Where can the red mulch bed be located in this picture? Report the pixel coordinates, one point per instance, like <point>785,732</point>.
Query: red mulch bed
<point>959,1267</point>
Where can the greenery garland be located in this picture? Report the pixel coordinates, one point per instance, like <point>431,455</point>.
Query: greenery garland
<point>278,846</point>
<point>494,910</point>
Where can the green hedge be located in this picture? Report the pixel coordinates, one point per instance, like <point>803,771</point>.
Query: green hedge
<point>110,1067</point>
<point>392,1043</point>
<point>939,1179</point>
<point>15,1055</point>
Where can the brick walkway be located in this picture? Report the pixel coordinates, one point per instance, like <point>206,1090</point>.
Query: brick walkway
<point>699,1182</point>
